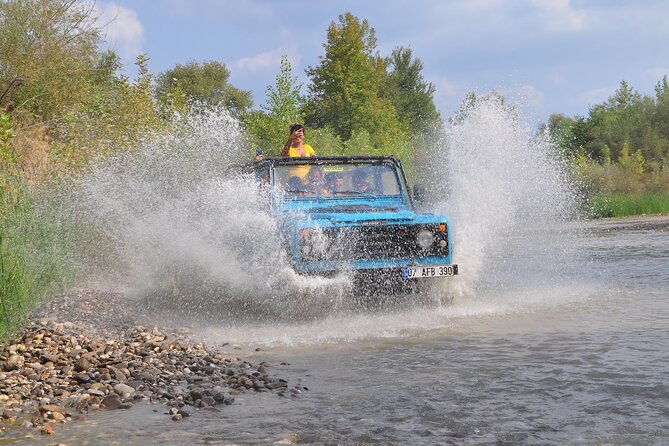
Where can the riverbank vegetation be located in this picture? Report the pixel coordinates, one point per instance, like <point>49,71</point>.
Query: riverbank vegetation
<point>620,151</point>
<point>65,104</point>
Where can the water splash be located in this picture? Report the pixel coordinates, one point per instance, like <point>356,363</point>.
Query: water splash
<point>183,229</point>
<point>508,194</point>
<point>198,243</point>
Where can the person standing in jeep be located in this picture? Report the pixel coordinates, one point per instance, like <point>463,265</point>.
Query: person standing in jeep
<point>295,145</point>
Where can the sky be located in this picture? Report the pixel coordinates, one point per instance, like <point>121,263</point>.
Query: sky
<point>546,56</point>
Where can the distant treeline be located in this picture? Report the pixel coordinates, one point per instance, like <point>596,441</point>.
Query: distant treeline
<point>620,151</point>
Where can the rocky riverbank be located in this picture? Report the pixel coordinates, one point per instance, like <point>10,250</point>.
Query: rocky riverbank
<point>86,350</point>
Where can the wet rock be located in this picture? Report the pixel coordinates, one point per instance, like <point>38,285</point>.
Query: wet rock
<point>196,394</point>
<point>56,416</point>
<point>123,390</point>
<point>111,401</point>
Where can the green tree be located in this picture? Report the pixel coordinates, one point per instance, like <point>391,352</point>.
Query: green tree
<point>660,119</point>
<point>207,83</point>
<point>345,90</point>
<point>269,126</point>
<point>625,116</point>
<point>410,94</point>
<point>52,45</point>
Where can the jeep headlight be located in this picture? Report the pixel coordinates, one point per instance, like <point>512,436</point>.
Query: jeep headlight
<point>425,239</point>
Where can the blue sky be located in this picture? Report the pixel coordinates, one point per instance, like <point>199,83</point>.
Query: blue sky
<point>549,56</point>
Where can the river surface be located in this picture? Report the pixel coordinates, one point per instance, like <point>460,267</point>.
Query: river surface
<point>574,353</point>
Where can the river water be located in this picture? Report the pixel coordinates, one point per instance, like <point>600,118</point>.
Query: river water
<point>575,352</point>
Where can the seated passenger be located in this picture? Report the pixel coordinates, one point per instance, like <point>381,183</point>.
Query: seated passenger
<point>316,181</point>
<point>361,181</point>
<point>294,184</point>
<point>335,183</point>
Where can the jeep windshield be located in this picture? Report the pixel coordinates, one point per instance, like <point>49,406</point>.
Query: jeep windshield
<point>337,180</point>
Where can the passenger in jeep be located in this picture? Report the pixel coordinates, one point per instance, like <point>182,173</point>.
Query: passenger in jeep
<point>361,181</point>
<point>316,181</point>
<point>334,182</point>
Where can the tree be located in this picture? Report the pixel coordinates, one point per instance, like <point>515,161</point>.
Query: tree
<point>625,116</point>
<point>660,118</point>
<point>52,46</point>
<point>207,82</point>
<point>410,94</point>
<point>345,90</point>
<point>269,126</point>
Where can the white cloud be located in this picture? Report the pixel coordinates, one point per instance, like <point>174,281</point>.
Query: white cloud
<point>447,94</point>
<point>124,31</point>
<point>561,16</point>
<point>597,95</point>
<point>266,61</point>
<point>655,74</point>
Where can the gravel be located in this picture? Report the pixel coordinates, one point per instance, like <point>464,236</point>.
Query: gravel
<point>85,350</point>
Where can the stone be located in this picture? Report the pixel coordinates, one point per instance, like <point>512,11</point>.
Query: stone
<point>111,401</point>
<point>48,357</point>
<point>123,390</point>
<point>56,416</point>
<point>82,365</point>
<point>14,362</point>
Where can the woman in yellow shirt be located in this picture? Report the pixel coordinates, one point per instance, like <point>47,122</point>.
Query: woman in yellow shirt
<point>295,147</point>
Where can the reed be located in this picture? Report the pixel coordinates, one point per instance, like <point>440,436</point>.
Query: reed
<point>32,258</point>
<point>623,205</point>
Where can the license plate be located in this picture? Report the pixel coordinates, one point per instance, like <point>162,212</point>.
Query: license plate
<point>423,272</point>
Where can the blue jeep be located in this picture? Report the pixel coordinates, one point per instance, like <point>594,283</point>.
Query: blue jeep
<point>355,213</point>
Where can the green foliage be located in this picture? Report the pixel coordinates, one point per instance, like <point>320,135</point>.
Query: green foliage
<point>52,46</point>
<point>269,127</point>
<point>620,150</point>
<point>206,83</point>
<point>345,90</point>
<point>284,102</point>
<point>630,204</point>
<point>352,94</point>
<point>410,94</point>
<point>33,263</point>
<point>325,141</point>
<point>118,118</point>
<point>631,163</point>
<point>8,159</point>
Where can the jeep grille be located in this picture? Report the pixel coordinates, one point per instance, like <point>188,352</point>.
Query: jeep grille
<point>378,242</point>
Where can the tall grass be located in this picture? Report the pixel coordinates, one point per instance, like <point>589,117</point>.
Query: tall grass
<point>623,205</point>
<point>32,256</point>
